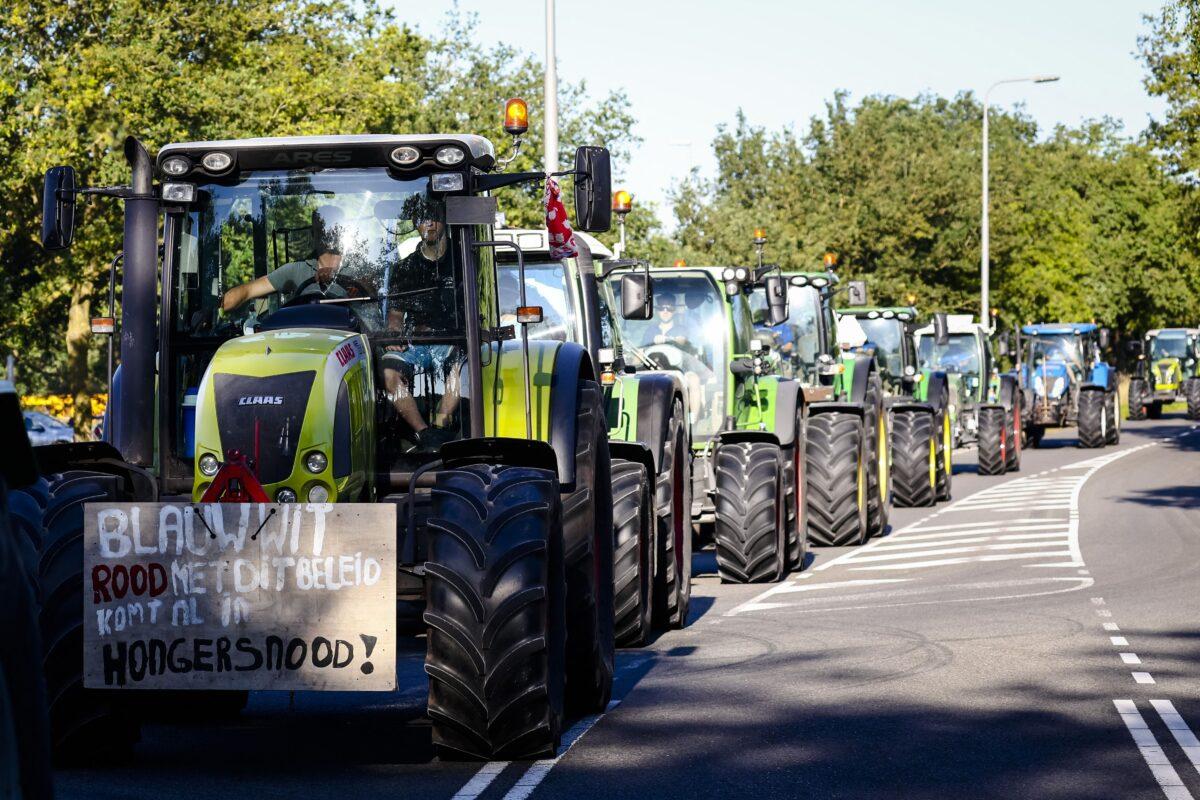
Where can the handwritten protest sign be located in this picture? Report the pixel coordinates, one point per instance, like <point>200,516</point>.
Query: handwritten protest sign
<point>240,596</point>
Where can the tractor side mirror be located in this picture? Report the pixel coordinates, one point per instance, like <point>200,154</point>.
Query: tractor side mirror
<point>777,299</point>
<point>1105,338</point>
<point>58,208</point>
<point>856,293</point>
<point>593,190</point>
<point>941,330</point>
<point>637,296</point>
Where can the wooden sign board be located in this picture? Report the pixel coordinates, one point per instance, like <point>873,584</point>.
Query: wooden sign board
<point>240,596</point>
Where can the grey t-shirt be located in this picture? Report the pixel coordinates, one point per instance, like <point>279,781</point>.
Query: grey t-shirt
<point>290,277</point>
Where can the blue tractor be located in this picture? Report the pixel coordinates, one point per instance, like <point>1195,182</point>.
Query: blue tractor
<point>1066,381</point>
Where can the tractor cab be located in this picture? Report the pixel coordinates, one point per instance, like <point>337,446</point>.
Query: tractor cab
<point>888,334</point>
<point>807,341</point>
<point>1171,354</point>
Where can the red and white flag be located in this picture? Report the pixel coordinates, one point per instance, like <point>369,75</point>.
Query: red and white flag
<point>562,238</point>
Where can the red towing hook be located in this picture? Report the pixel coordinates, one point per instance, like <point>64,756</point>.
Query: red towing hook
<point>235,482</point>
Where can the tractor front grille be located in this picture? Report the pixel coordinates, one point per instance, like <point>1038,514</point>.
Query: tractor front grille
<point>262,417</point>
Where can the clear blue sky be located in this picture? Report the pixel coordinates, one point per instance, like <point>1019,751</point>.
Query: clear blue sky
<point>688,65</point>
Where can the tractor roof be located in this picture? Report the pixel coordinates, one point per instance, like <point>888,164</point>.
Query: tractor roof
<point>1172,332</point>
<point>1051,328</point>
<point>956,323</point>
<point>371,149</point>
<point>807,278</point>
<point>536,241</point>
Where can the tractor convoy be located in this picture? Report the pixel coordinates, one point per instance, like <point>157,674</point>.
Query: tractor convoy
<point>525,435</point>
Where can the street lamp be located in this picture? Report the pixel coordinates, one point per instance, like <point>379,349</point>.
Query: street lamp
<point>985,254</point>
<point>550,95</point>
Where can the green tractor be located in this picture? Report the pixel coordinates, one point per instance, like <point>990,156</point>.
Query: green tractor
<point>647,424</point>
<point>985,405</point>
<point>321,325</point>
<point>846,424</point>
<point>1167,371</point>
<point>918,403</point>
<point>745,425</point>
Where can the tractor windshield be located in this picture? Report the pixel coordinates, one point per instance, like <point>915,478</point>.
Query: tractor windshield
<point>688,333</point>
<point>797,340</point>
<point>1062,348</point>
<point>546,285</point>
<point>1166,346</point>
<point>960,355</point>
<point>888,337</point>
<point>345,248</point>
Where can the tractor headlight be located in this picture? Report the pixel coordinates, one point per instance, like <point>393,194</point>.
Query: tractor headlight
<point>217,161</point>
<point>285,495</point>
<point>176,166</point>
<point>1059,384</point>
<point>318,493</point>
<point>406,155</point>
<point>209,465</point>
<point>315,462</point>
<point>449,155</point>
<point>728,274</point>
<point>742,274</point>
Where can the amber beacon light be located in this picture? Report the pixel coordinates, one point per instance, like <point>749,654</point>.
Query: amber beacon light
<point>516,117</point>
<point>622,202</point>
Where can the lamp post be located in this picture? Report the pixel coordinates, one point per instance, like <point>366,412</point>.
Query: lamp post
<point>985,249</point>
<point>550,92</point>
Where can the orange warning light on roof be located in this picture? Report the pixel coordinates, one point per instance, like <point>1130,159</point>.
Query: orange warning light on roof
<point>516,117</point>
<point>622,202</point>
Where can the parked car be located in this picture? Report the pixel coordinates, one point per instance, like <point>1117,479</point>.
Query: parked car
<point>45,429</point>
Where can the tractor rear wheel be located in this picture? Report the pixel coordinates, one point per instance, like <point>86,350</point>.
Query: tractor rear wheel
<point>588,549</point>
<point>496,613</point>
<point>875,426</point>
<point>1154,410</point>
<point>795,481</point>
<point>86,724</point>
<point>836,452</point>
<point>1191,388</point>
<point>1093,418</point>
<point>945,454</point>
<point>1012,456</point>
<point>633,530</point>
<point>749,533</point>
<point>673,508</point>
<point>914,458</point>
<point>1114,418</point>
<point>993,440</point>
<point>24,723</point>
<point>1137,399</point>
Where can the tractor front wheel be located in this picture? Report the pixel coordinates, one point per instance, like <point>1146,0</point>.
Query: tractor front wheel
<point>1093,418</point>
<point>496,613</point>
<point>914,458</point>
<point>673,561</point>
<point>835,449</point>
<point>1114,418</point>
<point>633,530</point>
<point>750,536</point>
<point>993,440</point>
<point>1191,388</point>
<point>875,426</point>
<point>1137,399</point>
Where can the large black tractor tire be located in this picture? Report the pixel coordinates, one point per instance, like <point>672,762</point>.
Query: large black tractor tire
<point>837,465</point>
<point>673,508</point>
<point>914,459</point>
<point>1114,418</point>
<point>875,426</point>
<point>1191,389</point>
<point>24,720</point>
<point>749,532</point>
<point>588,548</point>
<point>1154,410</point>
<point>945,453</point>
<point>1034,435</point>
<point>632,571</point>
<point>1136,399</point>
<point>1093,419</point>
<point>92,725</point>
<point>1012,455</point>
<point>992,450</point>
<point>795,498</point>
<point>496,613</point>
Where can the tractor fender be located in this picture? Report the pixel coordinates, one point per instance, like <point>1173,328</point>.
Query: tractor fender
<point>52,459</point>
<point>499,450</point>
<point>864,365</point>
<point>637,452</point>
<point>571,365</point>
<point>1008,391</point>
<point>734,437</point>
<point>1093,387</point>
<point>1103,376</point>
<point>789,401</point>
<point>833,405</point>
<point>912,405</point>
<point>656,394</point>
<point>937,390</point>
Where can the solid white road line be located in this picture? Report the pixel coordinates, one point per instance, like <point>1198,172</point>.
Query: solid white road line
<point>907,544</point>
<point>538,770</point>
<point>1180,730</point>
<point>892,555</point>
<point>941,562</point>
<point>1160,766</point>
<point>481,781</point>
<point>1005,523</point>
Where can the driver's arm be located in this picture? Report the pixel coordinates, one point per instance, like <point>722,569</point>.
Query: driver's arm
<point>235,297</point>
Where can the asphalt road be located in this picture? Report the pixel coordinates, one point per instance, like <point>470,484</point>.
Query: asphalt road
<point>1038,637</point>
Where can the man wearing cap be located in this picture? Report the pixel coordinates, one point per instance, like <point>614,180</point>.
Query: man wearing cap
<point>314,275</point>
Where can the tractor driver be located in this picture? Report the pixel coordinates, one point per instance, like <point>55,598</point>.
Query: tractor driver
<point>422,300</point>
<point>314,275</point>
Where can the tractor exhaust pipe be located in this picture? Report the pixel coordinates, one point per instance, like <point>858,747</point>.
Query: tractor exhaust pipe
<point>132,433</point>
